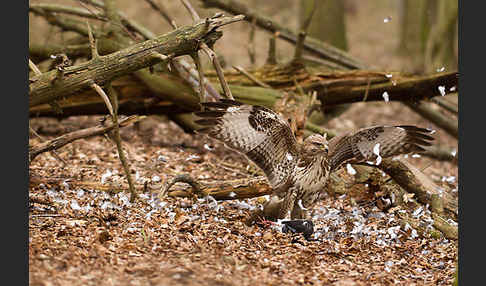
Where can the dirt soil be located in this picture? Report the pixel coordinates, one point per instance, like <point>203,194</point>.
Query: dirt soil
<point>83,236</point>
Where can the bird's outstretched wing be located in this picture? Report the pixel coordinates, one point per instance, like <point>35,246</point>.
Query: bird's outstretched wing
<point>258,132</point>
<point>374,143</point>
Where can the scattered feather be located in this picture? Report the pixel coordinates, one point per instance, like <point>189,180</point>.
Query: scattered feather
<point>106,175</point>
<point>376,151</point>
<point>386,97</point>
<point>208,147</point>
<point>442,90</point>
<point>350,169</point>
<point>300,205</point>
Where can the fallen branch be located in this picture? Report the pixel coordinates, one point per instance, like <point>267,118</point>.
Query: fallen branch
<point>235,189</point>
<point>60,141</point>
<point>115,136</point>
<point>441,154</point>
<point>449,106</point>
<point>219,190</point>
<point>53,152</point>
<point>448,124</point>
<point>108,45</point>
<point>414,181</point>
<point>389,194</point>
<point>184,40</point>
<point>399,88</point>
<point>252,78</point>
<point>450,231</point>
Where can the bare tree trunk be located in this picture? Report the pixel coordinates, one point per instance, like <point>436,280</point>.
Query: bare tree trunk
<point>441,47</point>
<point>415,21</point>
<point>328,25</point>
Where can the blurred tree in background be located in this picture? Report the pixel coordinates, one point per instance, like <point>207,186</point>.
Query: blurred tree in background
<point>328,23</point>
<point>429,34</point>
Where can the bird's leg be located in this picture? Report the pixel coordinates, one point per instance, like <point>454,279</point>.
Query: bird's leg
<point>298,212</point>
<point>288,204</point>
<point>255,215</point>
<point>266,223</point>
<point>269,213</point>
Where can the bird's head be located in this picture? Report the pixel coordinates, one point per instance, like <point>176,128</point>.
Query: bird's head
<point>315,144</point>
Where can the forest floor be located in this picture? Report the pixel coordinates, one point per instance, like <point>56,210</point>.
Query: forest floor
<point>82,236</point>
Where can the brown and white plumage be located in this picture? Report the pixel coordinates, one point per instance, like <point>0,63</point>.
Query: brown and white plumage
<point>394,140</point>
<point>299,172</point>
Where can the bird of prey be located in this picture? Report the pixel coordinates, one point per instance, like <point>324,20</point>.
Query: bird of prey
<point>299,172</point>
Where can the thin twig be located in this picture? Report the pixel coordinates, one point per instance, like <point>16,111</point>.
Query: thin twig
<point>367,90</point>
<point>299,88</point>
<point>34,68</point>
<point>251,43</point>
<point>103,95</point>
<point>197,61</point>
<point>272,50</point>
<point>53,152</point>
<point>65,139</point>
<point>191,10</point>
<point>190,75</point>
<point>117,139</point>
<point>162,57</point>
<point>89,9</point>
<point>251,77</point>
<point>219,70</point>
<point>299,46</point>
<point>163,12</point>
<point>92,43</point>
<point>308,20</point>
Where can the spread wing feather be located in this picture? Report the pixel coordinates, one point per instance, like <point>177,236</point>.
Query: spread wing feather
<point>393,140</point>
<point>258,132</point>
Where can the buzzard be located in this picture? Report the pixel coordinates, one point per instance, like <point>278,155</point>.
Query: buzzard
<point>299,172</point>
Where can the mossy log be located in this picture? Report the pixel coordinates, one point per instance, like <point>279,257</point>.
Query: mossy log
<point>426,191</point>
<point>163,93</point>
